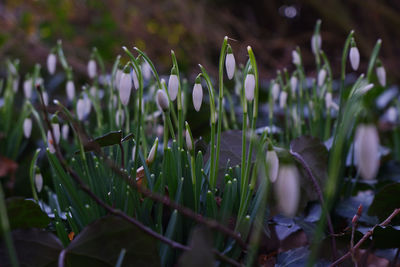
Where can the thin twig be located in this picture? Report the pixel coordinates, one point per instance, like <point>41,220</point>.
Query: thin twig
<point>366,236</point>
<point>321,199</point>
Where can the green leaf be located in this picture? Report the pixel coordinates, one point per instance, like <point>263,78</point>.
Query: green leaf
<point>101,242</point>
<point>109,139</point>
<point>385,201</point>
<point>201,253</point>
<point>386,237</point>
<point>35,247</point>
<point>24,213</point>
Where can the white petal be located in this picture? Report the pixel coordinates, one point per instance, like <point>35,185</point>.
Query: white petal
<point>125,88</point>
<point>249,86</point>
<point>152,152</point>
<point>146,70</point>
<point>65,131</point>
<point>287,190</point>
<point>328,100</point>
<point>88,105</point>
<point>38,182</point>
<point>119,118</point>
<point>27,127</point>
<point>117,79</point>
<point>45,98</point>
<point>28,88</point>
<point>50,143</point>
<point>273,165</point>
<point>70,88</point>
<point>51,63</point>
<point>321,77</point>
<point>92,68</point>
<point>295,57</point>
<point>135,80</point>
<point>162,100</point>
<point>56,131</point>
<point>80,109</point>
<point>173,85</point>
<point>354,57</point>
<point>391,114</point>
<point>316,42</point>
<point>197,96</point>
<point>366,150</point>
<point>293,84</point>
<point>275,91</point>
<point>381,73</point>
<point>189,143</point>
<point>282,99</point>
<point>230,65</point>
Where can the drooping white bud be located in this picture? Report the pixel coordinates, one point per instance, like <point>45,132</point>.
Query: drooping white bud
<point>282,99</point>
<point>162,100</point>
<point>117,79</point>
<point>366,88</point>
<point>295,58</point>
<point>173,85</point>
<point>189,143</point>
<point>381,74</point>
<point>28,88</point>
<point>275,91</point>
<point>92,68</point>
<point>51,63</point>
<point>27,127</point>
<point>45,98</point>
<point>391,114</point>
<point>146,70</point>
<point>152,154</point>
<point>321,77</point>
<point>287,190</point>
<point>273,165</point>
<point>230,65</point>
<point>328,100</point>
<point>135,80</point>
<point>70,89</point>
<point>88,105</point>
<point>354,57</point>
<point>125,87</point>
<point>366,150</point>
<point>50,143</point>
<point>316,43</point>
<point>293,84</point>
<point>93,91</point>
<point>80,109</point>
<point>56,131</point>
<point>249,86</point>
<point>38,182</point>
<point>197,96</point>
<point>119,118</point>
<point>65,131</point>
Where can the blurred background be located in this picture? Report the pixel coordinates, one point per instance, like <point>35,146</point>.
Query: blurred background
<point>194,29</point>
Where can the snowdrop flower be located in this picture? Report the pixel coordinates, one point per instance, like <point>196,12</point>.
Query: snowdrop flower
<point>273,165</point>
<point>70,89</point>
<point>249,85</point>
<point>173,84</point>
<point>146,70</point>
<point>162,100</point>
<point>316,43</point>
<point>125,87</point>
<point>92,68</point>
<point>87,106</point>
<point>51,63</point>
<point>287,190</point>
<point>381,74</point>
<point>119,118</point>
<point>275,91</point>
<point>135,80</point>
<point>117,78</point>
<point>28,88</point>
<point>282,99</point>
<point>328,100</point>
<point>152,154</point>
<point>295,58</point>
<point>293,84</point>
<point>80,109</point>
<point>93,91</point>
<point>354,56</point>
<point>230,63</point>
<point>366,88</point>
<point>366,150</point>
<point>38,181</point>
<point>391,114</point>
<point>50,143</point>
<point>65,131</point>
<point>197,95</point>
<point>45,98</point>
<point>188,137</point>
<point>321,77</point>
<point>27,126</point>
<point>56,131</point>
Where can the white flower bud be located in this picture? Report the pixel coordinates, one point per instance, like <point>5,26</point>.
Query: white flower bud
<point>162,100</point>
<point>366,88</point>
<point>321,77</point>
<point>88,105</point>
<point>273,165</point>
<point>293,84</point>
<point>51,63</point>
<point>117,78</point>
<point>197,96</point>
<point>50,143</point>
<point>133,153</point>
<point>391,114</point>
<point>381,74</point>
<point>287,190</point>
<point>328,100</point>
<point>125,87</point>
<point>119,118</point>
<point>316,42</point>
<point>282,99</point>
<point>189,143</point>
<point>56,131</point>
<point>93,91</point>
<point>45,98</point>
<point>152,154</point>
<point>70,89</point>
<point>92,68</point>
<point>146,70</point>
<point>275,91</point>
<point>354,57</point>
<point>173,85</point>
<point>28,88</point>
<point>295,58</point>
<point>80,109</point>
<point>249,86</point>
<point>65,131</point>
<point>366,150</point>
<point>27,127</point>
<point>38,182</point>
<point>230,65</point>
<point>135,80</point>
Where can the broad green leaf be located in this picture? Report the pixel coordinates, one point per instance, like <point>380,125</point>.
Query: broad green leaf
<point>24,213</point>
<point>109,139</point>
<point>385,201</point>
